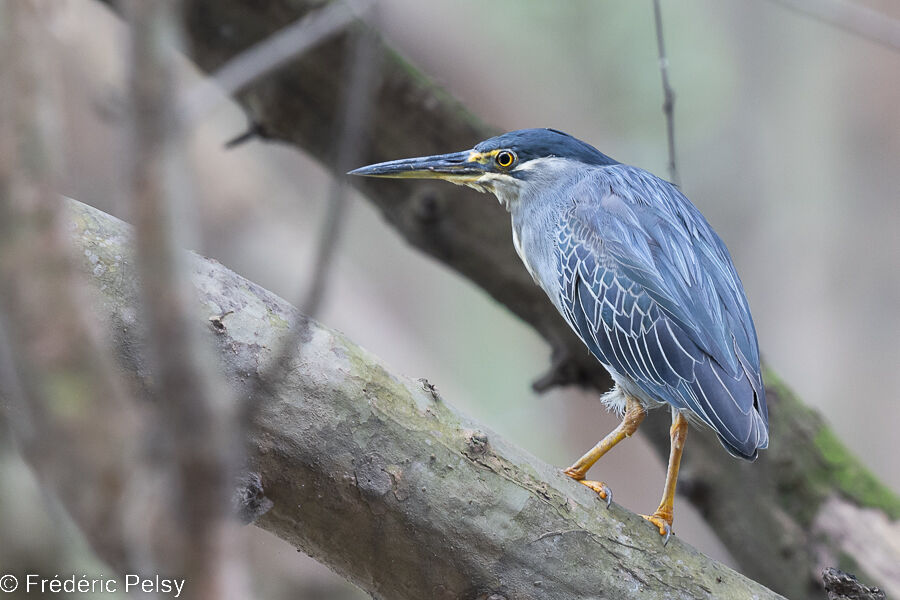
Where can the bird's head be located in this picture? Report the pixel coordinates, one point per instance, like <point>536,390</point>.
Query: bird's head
<point>505,165</point>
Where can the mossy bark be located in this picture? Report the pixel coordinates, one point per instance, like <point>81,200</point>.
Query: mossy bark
<point>378,476</point>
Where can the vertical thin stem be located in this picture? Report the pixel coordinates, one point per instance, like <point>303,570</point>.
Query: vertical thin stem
<point>196,420</point>
<point>668,94</point>
<point>357,102</point>
<point>364,64</point>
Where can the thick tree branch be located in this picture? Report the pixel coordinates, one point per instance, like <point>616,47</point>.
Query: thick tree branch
<point>783,517</point>
<point>376,475</point>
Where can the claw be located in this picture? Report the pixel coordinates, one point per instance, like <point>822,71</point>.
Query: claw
<point>601,488</point>
<point>663,524</point>
<point>598,486</point>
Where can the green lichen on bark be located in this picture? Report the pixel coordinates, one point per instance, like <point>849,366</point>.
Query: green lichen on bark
<point>849,477</point>
<point>825,463</point>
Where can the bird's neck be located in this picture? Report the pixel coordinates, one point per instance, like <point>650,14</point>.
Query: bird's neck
<point>507,194</point>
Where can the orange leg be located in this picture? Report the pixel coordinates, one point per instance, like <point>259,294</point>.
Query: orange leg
<point>634,414</point>
<point>664,515</point>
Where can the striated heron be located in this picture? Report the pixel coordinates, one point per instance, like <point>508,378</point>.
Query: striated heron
<point>641,277</point>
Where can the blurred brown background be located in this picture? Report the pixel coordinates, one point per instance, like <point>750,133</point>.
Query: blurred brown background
<point>788,135</point>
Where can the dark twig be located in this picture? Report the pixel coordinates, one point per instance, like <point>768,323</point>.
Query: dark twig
<point>270,54</point>
<point>852,18</point>
<point>668,94</point>
<point>254,130</point>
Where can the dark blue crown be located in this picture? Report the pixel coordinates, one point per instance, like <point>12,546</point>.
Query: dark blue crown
<point>529,144</point>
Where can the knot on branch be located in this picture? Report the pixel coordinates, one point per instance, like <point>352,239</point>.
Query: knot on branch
<point>249,500</point>
<point>217,322</point>
<point>372,477</point>
<point>430,388</point>
<point>476,444</point>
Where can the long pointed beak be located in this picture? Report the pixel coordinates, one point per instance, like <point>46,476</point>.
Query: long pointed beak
<point>458,167</point>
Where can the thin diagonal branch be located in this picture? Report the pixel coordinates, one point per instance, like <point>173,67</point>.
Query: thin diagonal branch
<point>853,18</point>
<point>668,94</point>
<point>270,54</point>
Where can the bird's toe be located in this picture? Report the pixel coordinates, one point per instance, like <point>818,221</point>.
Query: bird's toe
<point>663,523</point>
<point>601,488</point>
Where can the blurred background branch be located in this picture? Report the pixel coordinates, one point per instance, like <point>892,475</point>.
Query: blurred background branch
<point>852,17</point>
<point>107,458</point>
<point>71,415</point>
<point>197,435</point>
<point>270,54</point>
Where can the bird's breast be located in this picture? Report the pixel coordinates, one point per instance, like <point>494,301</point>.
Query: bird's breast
<point>534,241</point>
<point>517,244</point>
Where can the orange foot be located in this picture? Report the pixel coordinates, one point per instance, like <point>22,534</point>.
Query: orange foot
<point>598,486</point>
<point>663,523</point>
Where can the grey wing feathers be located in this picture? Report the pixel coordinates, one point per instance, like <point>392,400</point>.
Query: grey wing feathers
<point>651,290</point>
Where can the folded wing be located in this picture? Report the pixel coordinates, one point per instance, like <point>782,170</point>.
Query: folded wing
<point>652,291</point>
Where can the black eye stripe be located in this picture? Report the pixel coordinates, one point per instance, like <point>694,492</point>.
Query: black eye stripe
<point>505,158</point>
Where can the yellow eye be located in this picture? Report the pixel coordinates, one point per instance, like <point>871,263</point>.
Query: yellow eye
<point>505,158</point>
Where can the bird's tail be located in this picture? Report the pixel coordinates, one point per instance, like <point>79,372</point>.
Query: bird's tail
<point>758,440</point>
